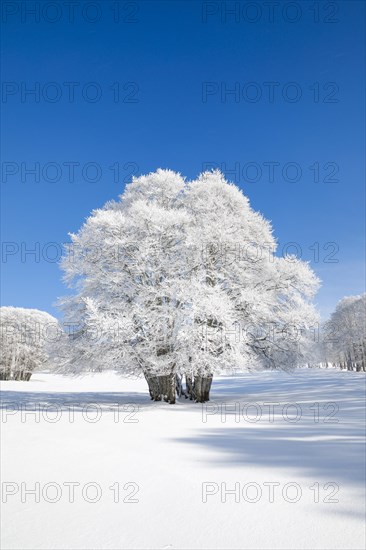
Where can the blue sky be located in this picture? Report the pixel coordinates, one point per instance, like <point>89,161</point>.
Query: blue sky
<point>151,90</point>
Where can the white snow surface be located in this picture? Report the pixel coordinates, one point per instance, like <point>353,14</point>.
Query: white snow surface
<point>169,452</point>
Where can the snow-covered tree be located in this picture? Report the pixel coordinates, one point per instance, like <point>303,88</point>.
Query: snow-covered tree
<point>345,333</point>
<point>25,335</point>
<point>181,278</point>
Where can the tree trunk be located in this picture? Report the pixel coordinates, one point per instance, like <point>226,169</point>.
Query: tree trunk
<point>349,362</point>
<point>153,384</point>
<point>189,386</point>
<point>201,388</point>
<point>167,387</point>
<point>363,355</point>
<point>179,387</point>
<point>162,387</point>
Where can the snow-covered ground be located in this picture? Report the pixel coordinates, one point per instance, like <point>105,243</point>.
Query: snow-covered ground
<point>295,469</point>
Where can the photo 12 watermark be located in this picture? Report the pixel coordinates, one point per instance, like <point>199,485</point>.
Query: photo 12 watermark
<point>257,12</point>
<point>71,412</point>
<point>273,171</point>
<point>252,412</point>
<point>272,492</point>
<point>51,492</point>
<point>269,92</point>
<point>67,172</point>
<point>69,92</point>
<point>70,11</point>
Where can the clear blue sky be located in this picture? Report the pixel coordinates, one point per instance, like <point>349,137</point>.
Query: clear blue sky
<point>162,53</point>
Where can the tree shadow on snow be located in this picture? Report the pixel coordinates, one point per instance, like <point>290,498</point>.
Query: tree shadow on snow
<point>78,401</point>
<point>325,443</point>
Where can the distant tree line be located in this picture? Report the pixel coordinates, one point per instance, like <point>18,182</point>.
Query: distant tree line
<point>345,334</point>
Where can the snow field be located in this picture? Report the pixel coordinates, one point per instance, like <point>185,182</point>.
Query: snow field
<point>275,460</point>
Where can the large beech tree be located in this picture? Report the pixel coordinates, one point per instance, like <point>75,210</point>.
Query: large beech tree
<point>180,278</point>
